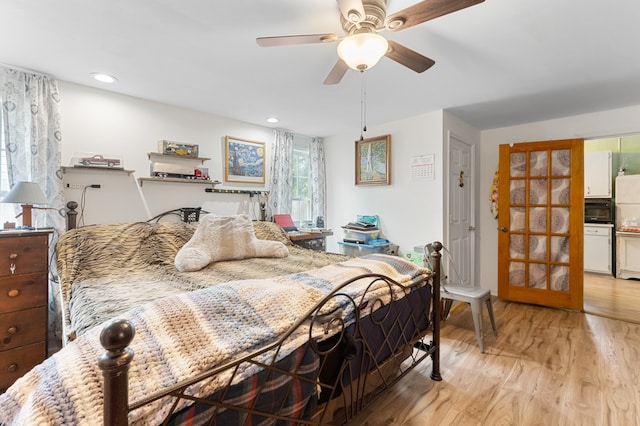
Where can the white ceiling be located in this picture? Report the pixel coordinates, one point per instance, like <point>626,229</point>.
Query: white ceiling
<point>499,63</point>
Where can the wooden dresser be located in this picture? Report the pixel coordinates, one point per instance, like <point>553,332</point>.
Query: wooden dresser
<point>24,271</point>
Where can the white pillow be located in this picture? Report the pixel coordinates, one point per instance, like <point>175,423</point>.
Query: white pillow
<point>224,238</point>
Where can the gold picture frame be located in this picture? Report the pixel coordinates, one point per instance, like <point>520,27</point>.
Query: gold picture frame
<point>244,160</point>
<point>373,161</point>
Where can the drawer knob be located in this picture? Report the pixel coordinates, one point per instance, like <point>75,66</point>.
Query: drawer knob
<point>12,330</point>
<point>14,293</point>
<point>13,256</point>
<point>12,368</point>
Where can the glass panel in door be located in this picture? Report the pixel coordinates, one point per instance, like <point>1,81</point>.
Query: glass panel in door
<point>540,223</point>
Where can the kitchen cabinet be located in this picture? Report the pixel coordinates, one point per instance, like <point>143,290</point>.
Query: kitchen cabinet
<point>597,174</point>
<point>598,248</point>
<point>628,254</point>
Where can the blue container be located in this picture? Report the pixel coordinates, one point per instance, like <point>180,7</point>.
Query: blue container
<point>357,250</point>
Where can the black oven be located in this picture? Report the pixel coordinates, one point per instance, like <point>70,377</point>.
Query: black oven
<point>598,210</point>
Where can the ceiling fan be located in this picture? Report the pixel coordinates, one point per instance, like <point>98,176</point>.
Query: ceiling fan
<point>361,47</point>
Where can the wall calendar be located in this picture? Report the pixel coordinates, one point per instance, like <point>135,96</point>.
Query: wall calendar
<point>422,167</point>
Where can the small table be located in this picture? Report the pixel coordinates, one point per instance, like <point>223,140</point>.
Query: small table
<point>310,240</point>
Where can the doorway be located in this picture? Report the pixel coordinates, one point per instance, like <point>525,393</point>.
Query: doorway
<point>604,294</point>
<point>460,229</point>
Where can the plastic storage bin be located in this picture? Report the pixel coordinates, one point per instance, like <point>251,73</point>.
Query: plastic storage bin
<point>357,250</point>
<point>363,236</point>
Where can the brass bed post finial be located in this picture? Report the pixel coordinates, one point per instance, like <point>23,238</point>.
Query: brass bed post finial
<point>114,364</point>
<point>436,256</point>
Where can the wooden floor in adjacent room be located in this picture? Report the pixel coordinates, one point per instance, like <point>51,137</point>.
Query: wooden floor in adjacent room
<point>546,367</point>
<point>612,297</point>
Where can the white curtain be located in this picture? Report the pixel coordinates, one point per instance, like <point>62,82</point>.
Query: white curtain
<point>317,178</point>
<point>31,131</point>
<point>280,173</point>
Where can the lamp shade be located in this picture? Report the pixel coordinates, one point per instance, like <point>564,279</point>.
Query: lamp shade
<point>363,50</point>
<point>25,193</point>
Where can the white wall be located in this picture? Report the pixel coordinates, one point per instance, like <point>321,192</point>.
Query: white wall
<point>102,122</point>
<point>98,121</point>
<point>587,126</point>
<point>410,211</point>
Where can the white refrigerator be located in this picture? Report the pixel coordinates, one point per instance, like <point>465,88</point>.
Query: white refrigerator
<point>628,226</point>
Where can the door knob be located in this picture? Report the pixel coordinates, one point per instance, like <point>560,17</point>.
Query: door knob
<point>504,229</point>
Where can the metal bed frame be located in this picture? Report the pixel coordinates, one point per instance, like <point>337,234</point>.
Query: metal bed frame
<point>376,348</point>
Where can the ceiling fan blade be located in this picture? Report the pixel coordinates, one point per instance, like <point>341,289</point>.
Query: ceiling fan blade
<point>407,57</point>
<point>337,72</point>
<point>425,11</point>
<point>352,10</point>
<point>296,39</point>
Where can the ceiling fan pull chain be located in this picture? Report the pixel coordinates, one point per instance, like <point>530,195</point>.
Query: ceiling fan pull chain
<point>364,84</point>
<point>363,105</point>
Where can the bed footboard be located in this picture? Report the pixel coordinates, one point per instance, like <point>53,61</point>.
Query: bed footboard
<point>115,338</point>
<point>352,351</point>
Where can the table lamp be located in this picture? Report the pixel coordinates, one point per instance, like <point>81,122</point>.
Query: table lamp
<point>28,194</point>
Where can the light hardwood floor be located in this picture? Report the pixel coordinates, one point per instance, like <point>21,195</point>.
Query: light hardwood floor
<point>612,298</point>
<point>546,367</point>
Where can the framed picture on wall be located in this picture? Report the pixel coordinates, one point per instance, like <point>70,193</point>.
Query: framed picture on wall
<point>373,161</point>
<point>244,160</point>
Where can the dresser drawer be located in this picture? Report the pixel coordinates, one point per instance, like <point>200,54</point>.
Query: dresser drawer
<point>15,363</point>
<point>23,254</point>
<point>23,292</point>
<point>23,327</point>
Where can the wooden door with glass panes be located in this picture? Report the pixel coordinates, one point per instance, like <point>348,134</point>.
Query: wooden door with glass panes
<point>540,223</point>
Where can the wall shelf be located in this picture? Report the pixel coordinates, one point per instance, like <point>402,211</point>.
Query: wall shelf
<point>141,180</point>
<point>235,191</point>
<point>66,169</point>
<point>168,166</point>
<point>161,156</point>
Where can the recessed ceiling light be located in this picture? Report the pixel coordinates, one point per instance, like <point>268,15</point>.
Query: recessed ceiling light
<point>104,78</point>
<point>272,120</point>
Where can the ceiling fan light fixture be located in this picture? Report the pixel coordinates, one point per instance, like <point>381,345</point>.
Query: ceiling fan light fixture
<point>362,51</point>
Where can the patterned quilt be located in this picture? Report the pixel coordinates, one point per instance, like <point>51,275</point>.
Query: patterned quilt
<point>105,270</point>
<point>183,334</point>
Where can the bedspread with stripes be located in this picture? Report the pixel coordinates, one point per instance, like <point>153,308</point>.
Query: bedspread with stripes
<point>181,335</point>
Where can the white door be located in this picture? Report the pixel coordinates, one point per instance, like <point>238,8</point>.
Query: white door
<point>461,221</point>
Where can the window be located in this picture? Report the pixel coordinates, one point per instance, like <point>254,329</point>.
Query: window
<point>300,195</point>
